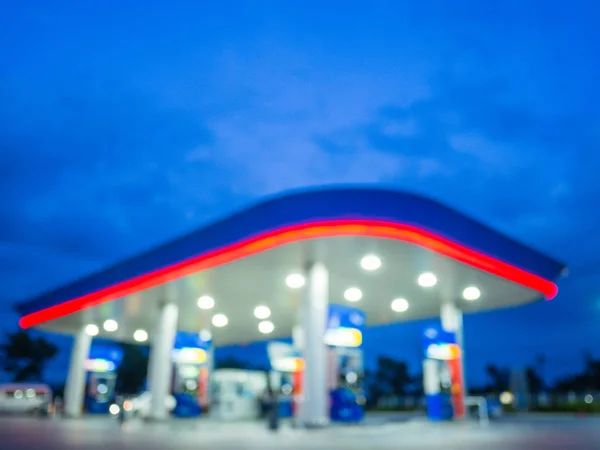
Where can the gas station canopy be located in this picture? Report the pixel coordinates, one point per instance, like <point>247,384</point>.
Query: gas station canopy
<point>395,255</point>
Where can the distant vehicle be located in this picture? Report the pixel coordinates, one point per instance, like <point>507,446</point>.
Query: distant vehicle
<point>140,405</point>
<point>25,398</point>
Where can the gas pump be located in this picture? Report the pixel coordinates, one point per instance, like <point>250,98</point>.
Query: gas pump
<point>346,382</point>
<point>190,374</point>
<point>286,376</point>
<point>442,379</point>
<point>101,369</point>
<point>343,338</point>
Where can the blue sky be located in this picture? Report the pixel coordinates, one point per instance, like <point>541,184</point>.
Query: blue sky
<point>124,124</point>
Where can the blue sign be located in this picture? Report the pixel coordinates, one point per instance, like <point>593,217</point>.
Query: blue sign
<point>107,351</point>
<point>436,335</point>
<point>341,316</point>
<point>185,339</point>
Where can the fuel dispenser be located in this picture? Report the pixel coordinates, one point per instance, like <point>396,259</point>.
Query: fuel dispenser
<point>442,376</point>
<point>343,338</point>
<point>101,369</point>
<point>190,374</point>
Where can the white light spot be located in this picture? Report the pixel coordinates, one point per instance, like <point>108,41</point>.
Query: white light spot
<point>140,335</point>
<point>506,398</point>
<point>114,409</point>
<point>266,327</point>
<point>262,312</point>
<point>400,305</point>
<point>220,320</point>
<point>370,262</point>
<point>427,279</point>
<point>295,281</point>
<point>471,293</point>
<point>206,302</point>
<point>588,399</point>
<point>353,294</point>
<point>205,335</point>
<point>110,325</point>
<point>351,377</point>
<point>92,330</point>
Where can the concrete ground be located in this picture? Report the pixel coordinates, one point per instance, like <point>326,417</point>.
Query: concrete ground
<point>525,432</point>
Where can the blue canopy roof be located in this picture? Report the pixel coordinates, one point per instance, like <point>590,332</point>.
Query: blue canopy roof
<point>310,206</point>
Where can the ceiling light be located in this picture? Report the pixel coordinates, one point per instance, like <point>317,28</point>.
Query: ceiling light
<point>110,325</point>
<point>295,281</point>
<point>220,320</point>
<point>206,302</point>
<point>427,279</point>
<point>266,327</point>
<point>370,262</point>
<point>140,335</point>
<point>92,330</point>
<point>205,335</point>
<point>400,305</point>
<point>353,294</point>
<point>471,293</point>
<point>262,312</point>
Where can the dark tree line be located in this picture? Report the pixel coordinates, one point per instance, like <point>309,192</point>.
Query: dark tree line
<point>25,356</point>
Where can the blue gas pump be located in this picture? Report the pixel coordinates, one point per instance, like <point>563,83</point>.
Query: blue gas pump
<point>101,369</point>
<point>344,339</point>
<point>439,349</point>
<point>190,373</point>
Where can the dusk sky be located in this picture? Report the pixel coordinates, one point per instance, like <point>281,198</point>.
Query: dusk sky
<point>125,124</point>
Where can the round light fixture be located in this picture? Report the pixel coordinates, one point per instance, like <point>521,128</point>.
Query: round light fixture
<point>140,335</point>
<point>266,327</point>
<point>370,262</point>
<point>427,279</point>
<point>471,293</point>
<point>92,330</point>
<point>262,312</point>
<point>206,302</point>
<point>506,398</point>
<point>295,281</point>
<point>110,325</point>
<point>205,335</point>
<point>400,305</point>
<point>220,320</point>
<point>353,294</point>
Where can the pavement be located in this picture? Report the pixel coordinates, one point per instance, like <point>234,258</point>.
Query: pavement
<point>520,432</point>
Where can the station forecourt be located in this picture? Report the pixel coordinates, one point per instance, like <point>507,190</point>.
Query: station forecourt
<point>279,269</point>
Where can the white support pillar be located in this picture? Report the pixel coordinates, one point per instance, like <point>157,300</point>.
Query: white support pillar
<point>314,409</point>
<point>160,365</point>
<point>75,385</point>
<point>452,320</point>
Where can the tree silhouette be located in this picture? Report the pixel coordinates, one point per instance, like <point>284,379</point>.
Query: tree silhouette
<point>25,356</point>
<point>534,381</point>
<point>499,378</point>
<point>132,371</point>
<point>585,381</point>
<point>391,378</point>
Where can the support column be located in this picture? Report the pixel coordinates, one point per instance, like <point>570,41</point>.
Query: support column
<point>452,321</point>
<point>314,409</point>
<point>160,365</point>
<point>75,385</point>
